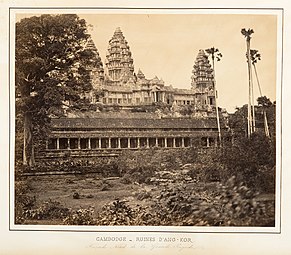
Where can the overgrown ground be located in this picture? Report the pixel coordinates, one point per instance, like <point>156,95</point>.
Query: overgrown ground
<point>231,186</point>
<point>169,198</point>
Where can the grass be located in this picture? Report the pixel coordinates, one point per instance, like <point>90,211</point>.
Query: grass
<point>95,191</point>
<point>90,188</point>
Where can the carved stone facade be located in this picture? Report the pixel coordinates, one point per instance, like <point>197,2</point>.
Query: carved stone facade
<point>89,138</point>
<point>114,131</point>
<point>120,85</point>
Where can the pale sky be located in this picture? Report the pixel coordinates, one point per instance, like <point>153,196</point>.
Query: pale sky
<point>166,45</point>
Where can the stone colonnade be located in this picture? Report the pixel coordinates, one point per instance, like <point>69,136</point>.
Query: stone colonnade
<point>126,142</point>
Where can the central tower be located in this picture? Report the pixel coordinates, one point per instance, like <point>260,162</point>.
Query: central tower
<point>119,62</point>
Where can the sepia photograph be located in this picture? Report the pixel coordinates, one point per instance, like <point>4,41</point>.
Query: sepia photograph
<point>145,119</point>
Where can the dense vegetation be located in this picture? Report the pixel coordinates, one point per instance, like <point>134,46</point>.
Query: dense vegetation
<point>214,187</point>
<point>52,71</point>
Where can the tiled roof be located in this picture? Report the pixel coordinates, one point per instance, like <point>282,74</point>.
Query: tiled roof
<point>164,123</point>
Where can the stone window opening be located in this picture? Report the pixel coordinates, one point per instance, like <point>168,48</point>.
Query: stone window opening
<point>74,143</point>
<point>52,144</point>
<point>123,142</point>
<point>94,143</point>
<point>63,143</point>
<point>178,141</point>
<point>104,143</point>
<point>114,142</point>
<point>152,142</point>
<point>143,142</point>
<point>161,142</point>
<point>187,142</point>
<point>133,142</point>
<point>84,143</point>
<point>170,142</point>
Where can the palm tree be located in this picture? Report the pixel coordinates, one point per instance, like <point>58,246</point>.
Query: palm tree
<point>255,57</point>
<point>215,54</point>
<point>251,110</point>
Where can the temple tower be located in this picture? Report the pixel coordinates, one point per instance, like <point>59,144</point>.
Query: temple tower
<point>202,81</point>
<point>96,66</point>
<point>119,62</point>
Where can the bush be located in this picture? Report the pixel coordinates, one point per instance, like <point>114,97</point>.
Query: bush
<point>48,210</point>
<point>23,201</point>
<point>140,166</point>
<point>76,195</point>
<point>252,161</point>
<point>80,217</point>
<point>231,204</point>
<point>120,213</point>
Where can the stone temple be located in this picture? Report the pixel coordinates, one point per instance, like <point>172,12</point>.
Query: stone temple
<point>120,85</point>
<point>133,126</point>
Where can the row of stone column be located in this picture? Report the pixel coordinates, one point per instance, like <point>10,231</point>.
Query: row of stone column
<point>120,143</point>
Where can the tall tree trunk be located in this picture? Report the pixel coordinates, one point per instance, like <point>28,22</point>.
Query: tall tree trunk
<point>28,155</point>
<point>250,122</point>
<point>266,125</point>
<point>216,103</point>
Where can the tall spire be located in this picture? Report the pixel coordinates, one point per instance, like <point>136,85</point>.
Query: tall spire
<point>119,62</point>
<point>202,80</point>
<point>202,71</point>
<point>96,66</point>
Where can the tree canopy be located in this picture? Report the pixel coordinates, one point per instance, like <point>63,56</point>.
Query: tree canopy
<point>51,67</point>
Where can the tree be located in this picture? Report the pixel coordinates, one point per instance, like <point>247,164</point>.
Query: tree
<point>262,100</point>
<point>251,111</point>
<point>214,53</point>
<point>51,61</point>
<point>265,103</point>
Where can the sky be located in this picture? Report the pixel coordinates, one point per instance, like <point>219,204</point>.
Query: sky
<point>166,46</point>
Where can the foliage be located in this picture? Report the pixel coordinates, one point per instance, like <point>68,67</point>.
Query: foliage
<point>238,120</point>
<point>208,167</point>
<point>104,166</point>
<point>251,160</point>
<point>140,166</point>
<point>247,33</point>
<point>264,101</point>
<point>80,217</point>
<point>255,56</point>
<point>120,213</point>
<point>214,53</point>
<point>231,204</point>
<point>76,195</point>
<point>23,201</point>
<point>51,63</point>
<point>48,210</point>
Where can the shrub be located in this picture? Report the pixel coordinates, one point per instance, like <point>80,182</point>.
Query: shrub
<point>80,217</point>
<point>252,161</point>
<point>48,210</point>
<point>23,201</point>
<point>231,204</point>
<point>120,213</point>
<point>76,195</point>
